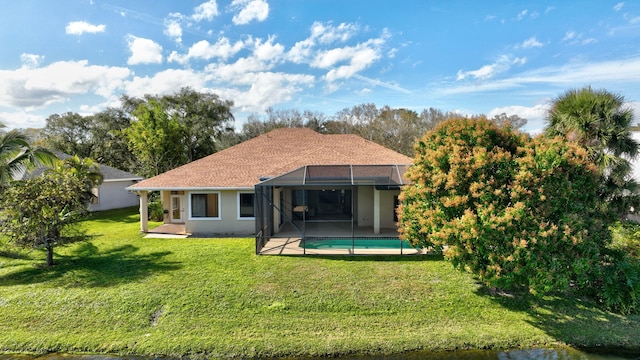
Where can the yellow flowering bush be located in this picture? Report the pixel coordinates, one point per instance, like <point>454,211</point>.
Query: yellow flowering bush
<point>514,210</point>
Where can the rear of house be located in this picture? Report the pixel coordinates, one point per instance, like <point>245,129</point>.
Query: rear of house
<point>216,195</point>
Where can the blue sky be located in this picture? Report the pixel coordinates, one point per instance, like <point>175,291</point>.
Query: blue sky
<point>320,55</point>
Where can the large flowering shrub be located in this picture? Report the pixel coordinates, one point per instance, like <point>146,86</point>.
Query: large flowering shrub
<point>516,211</point>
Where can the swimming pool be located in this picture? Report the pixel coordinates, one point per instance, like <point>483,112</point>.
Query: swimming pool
<point>347,243</point>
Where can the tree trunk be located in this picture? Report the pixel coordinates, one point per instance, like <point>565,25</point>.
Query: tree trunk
<point>49,255</point>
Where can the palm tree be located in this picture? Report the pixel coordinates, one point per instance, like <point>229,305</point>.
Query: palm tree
<point>599,121</point>
<point>16,155</point>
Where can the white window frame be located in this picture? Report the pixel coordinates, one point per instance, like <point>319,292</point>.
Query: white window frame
<point>196,218</point>
<point>238,205</point>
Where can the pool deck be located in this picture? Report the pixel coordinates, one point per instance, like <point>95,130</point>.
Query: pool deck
<point>287,241</point>
<point>291,246</point>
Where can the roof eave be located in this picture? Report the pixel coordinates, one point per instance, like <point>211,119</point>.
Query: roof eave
<point>205,188</point>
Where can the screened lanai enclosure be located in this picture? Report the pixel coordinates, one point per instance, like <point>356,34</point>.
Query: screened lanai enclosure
<point>337,209</point>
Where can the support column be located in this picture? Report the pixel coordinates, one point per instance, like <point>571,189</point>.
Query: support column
<point>376,211</point>
<point>276,210</point>
<point>144,211</point>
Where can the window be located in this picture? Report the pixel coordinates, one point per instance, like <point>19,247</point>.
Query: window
<point>245,205</point>
<point>205,206</point>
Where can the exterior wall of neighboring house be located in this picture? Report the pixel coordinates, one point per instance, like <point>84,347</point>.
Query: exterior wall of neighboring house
<point>112,195</point>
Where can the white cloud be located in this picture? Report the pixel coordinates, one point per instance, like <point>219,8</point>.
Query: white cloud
<point>573,38</point>
<point>143,51</point>
<point>321,34</point>
<point>265,89</point>
<point>204,50</point>
<point>633,20</point>
<point>165,82</point>
<point>347,61</point>
<point>598,74</point>
<point>327,33</point>
<point>618,6</point>
<point>173,27</point>
<point>236,72</point>
<point>358,61</point>
<point>375,82</point>
<point>522,15</point>
<point>81,27</point>
<point>301,52</point>
<point>31,60</point>
<point>569,35</point>
<point>21,120</point>
<point>531,42</point>
<point>206,11</point>
<point>268,51</point>
<point>249,10</point>
<point>503,64</point>
<point>36,87</point>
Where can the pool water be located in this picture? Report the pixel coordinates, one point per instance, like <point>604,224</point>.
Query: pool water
<point>378,243</point>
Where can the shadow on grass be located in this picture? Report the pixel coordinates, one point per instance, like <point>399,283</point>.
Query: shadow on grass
<point>123,216</point>
<point>87,266</point>
<point>14,254</point>
<point>577,322</point>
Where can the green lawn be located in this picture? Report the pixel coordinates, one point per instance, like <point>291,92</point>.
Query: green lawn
<point>123,294</point>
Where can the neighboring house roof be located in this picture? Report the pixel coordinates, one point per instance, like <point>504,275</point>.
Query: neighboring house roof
<point>272,154</point>
<point>109,173</point>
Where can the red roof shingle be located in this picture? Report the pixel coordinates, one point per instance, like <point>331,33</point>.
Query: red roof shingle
<point>272,154</point>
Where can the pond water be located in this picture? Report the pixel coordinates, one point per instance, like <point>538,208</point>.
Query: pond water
<point>533,354</point>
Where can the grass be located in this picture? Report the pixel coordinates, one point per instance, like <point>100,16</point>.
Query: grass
<point>122,294</point>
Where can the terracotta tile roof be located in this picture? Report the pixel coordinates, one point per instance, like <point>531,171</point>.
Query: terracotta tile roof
<point>272,154</point>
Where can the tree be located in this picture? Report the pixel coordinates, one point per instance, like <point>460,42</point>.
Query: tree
<point>515,211</point>
<point>110,146</point>
<point>37,212</point>
<point>396,129</point>
<point>98,137</point>
<point>598,121</point>
<point>156,139</point>
<point>290,118</point>
<point>513,121</point>
<point>86,170</point>
<point>17,155</point>
<point>204,118</point>
<point>69,133</point>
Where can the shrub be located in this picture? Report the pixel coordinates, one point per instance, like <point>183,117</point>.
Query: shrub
<point>626,238</point>
<point>619,282</point>
<point>516,211</point>
<point>156,211</point>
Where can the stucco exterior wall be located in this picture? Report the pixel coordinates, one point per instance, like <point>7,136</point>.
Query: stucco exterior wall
<point>387,208</point>
<point>112,195</point>
<point>365,206</point>
<point>228,223</point>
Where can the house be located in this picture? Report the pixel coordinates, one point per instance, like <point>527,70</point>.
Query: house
<point>111,194</point>
<point>299,175</point>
